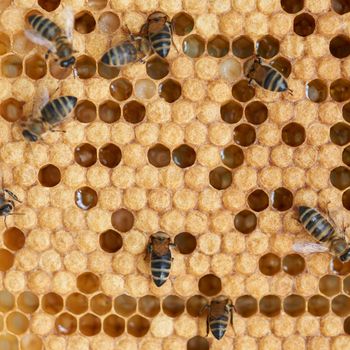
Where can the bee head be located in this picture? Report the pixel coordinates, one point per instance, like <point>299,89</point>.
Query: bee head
<point>28,135</point>
<point>68,62</point>
<point>157,16</point>
<point>160,236</point>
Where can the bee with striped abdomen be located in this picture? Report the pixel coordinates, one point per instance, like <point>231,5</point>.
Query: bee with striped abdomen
<point>159,250</point>
<point>219,315</point>
<point>158,29</point>
<point>329,237</point>
<point>7,205</point>
<point>47,33</point>
<point>265,76</point>
<point>51,114</point>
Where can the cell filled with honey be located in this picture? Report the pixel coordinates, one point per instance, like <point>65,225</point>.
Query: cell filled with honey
<point>149,305</point>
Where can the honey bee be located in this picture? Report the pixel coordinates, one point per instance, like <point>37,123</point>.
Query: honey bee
<point>220,312</point>
<point>161,259</point>
<point>329,238</point>
<point>51,114</point>
<point>7,205</point>
<point>266,76</point>
<point>47,33</point>
<point>158,29</point>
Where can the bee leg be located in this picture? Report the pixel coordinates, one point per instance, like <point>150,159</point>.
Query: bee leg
<point>207,326</point>
<point>48,53</point>
<point>148,251</point>
<point>5,222</point>
<point>290,91</point>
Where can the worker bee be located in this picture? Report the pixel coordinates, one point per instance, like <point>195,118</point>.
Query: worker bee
<point>220,312</point>
<point>324,232</point>
<point>161,259</point>
<point>51,114</point>
<point>158,29</point>
<point>7,205</point>
<point>265,76</point>
<point>129,51</point>
<point>47,33</point>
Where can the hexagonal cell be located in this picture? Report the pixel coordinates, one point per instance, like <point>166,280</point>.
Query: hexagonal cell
<point>193,46</point>
<point>145,89</point>
<point>318,305</point>
<point>340,6</point>
<point>97,4</point>
<point>244,135</point>
<point>232,156</point>
<point>339,46</point>
<point>242,91</point>
<point>49,175</point>
<point>270,305</point>
<point>340,90</point>
<point>14,238</point>
<point>293,264</point>
<point>159,155</point>
<point>5,44</point>
<point>20,43</point>
<point>246,305</point>
<point>111,241</point>
<point>346,112</point>
<point>347,325</point>
<point>346,155</point>
<point>35,67</point>
<point>52,303</point>
<point>65,324</point>
<point>134,112</point>
<point>256,112</point>
<point>170,90</point>
<point>11,110</point>
<point>340,177</point>
<point>346,285</point>
<point>88,282</point>
<point>149,305</point>
<point>340,134</point>
<point>85,198</point>
<point>101,304</point>
<point>109,111</point>
<point>31,342</point>
<point>85,111</point>
<point>245,221</point>
<point>282,199</point>
<point>294,305</point>
<point>107,72</point>
<point>209,285</point>
<point>89,325</point>
<point>28,302</point>
<point>7,301</point>
<point>218,46</point>
<point>231,112</point>
<point>197,343</point>
<point>293,134</point>
<point>157,68</point>
<point>6,259</point>
<point>292,6</point>
<point>243,47</point>
<point>316,90</point>
<point>57,71</point>
<point>11,66</point>
<point>173,306</point>
<point>113,326</point>
<point>270,264</point>
<point>330,285</point>
<point>267,46</point>
<point>346,199</point>
<point>183,23</point>
<point>86,67</point>
<point>124,305</point>
<point>17,323</point>
<point>304,24</point>
<point>185,242</point>
<point>258,200</point>
<point>77,303</point>
<point>220,178</point>
<point>184,156</point>
<point>84,22</point>
<point>108,22</point>
<point>122,220</point>
<point>110,155</point>
<point>120,89</point>
<point>195,304</point>
<point>138,326</point>
<point>85,155</point>
<point>341,305</point>
<point>49,5</point>
<point>282,65</point>
<point>339,267</point>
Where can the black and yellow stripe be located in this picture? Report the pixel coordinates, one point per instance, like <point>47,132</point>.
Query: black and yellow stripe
<point>160,268</point>
<point>218,325</point>
<point>120,55</point>
<point>46,28</point>
<point>56,110</point>
<point>274,81</point>
<point>161,41</point>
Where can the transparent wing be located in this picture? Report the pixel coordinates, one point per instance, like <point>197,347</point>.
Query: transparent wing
<point>68,16</point>
<point>309,248</point>
<point>38,39</point>
<point>41,99</point>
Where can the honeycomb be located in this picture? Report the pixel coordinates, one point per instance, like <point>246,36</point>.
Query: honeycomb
<point>187,146</point>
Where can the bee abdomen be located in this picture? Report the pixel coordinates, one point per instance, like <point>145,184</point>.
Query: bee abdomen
<point>161,41</point>
<point>120,55</point>
<point>218,326</point>
<point>274,81</point>
<point>56,110</point>
<point>44,27</point>
<point>160,268</point>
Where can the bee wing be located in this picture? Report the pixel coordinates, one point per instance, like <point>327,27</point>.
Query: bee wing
<point>68,16</point>
<point>309,248</point>
<point>41,99</point>
<point>36,38</point>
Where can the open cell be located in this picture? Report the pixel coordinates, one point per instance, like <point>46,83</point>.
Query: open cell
<point>85,198</point>
<point>107,72</point>
<point>11,66</point>
<point>85,155</point>
<point>282,199</point>
<point>109,111</point>
<point>346,156</point>
<point>231,112</point>
<point>220,178</point>
<point>340,90</point>
<point>340,268</point>
<point>244,135</point>
<point>134,112</point>
<point>304,24</point>
<point>7,340</point>
<point>159,155</point>
<point>84,22</point>
<point>35,67</point>
<point>340,177</point>
<point>49,175</point>
<point>124,305</point>
<point>183,23</point>
<point>258,200</point>
<point>210,285</point>
<point>330,285</point>
<point>195,305</point>
<point>113,326</point>
<point>52,303</point>
<point>97,4</point>
<point>89,325</point>
<point>122,220</point>
<point>17,323</point>
<point>340,6</point>
<point>270,264</point>
<point>108,22</point>
<point>11,110</point>
<point>111,241</point>
<point>256,112</point>
<point>318,305</point>
<point>101,304</point>
<point>6,259</point>
<point>7,301</point>
<point>232,156</point>
<point>317,90</point>
<point>293,264</point>
<point>77,303</point>
<point>88,282</point>
<point>294,305</point>
<point>184,156</point>
<point>339,46</point>
<point>267,47</point>
<point>121,89</point>
<point>14,238</point>
<point>157,68</point>
<point>20,43</point>
<point>149,305</point>
<point>340,134</point>
<point>28,302</point>
<point>170,90</point>
<point>242,91</point>
<point>66,324</point>
<point>245,221</point>
<point>138,326</point>
<point>85,111</point>
<point>197,343</point>
<point>246,305</point>
<point>110,155</point>
<point>270,305</point>
<point>346,199</point>
<point>173,306</point>
<point>5,43</point>
<point>49,5</point>
<point>57,71</point>
<point>243,47</point>
<point>218,46</point>
<point>346,112</point>
<point>292,6</point>
<point>31,342</point>
<point>282,65</point>
<point>193,46</point>
<point>185,242</point>
<point>293,134</point>
<point>341,305</point>
<point>86,67</point>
